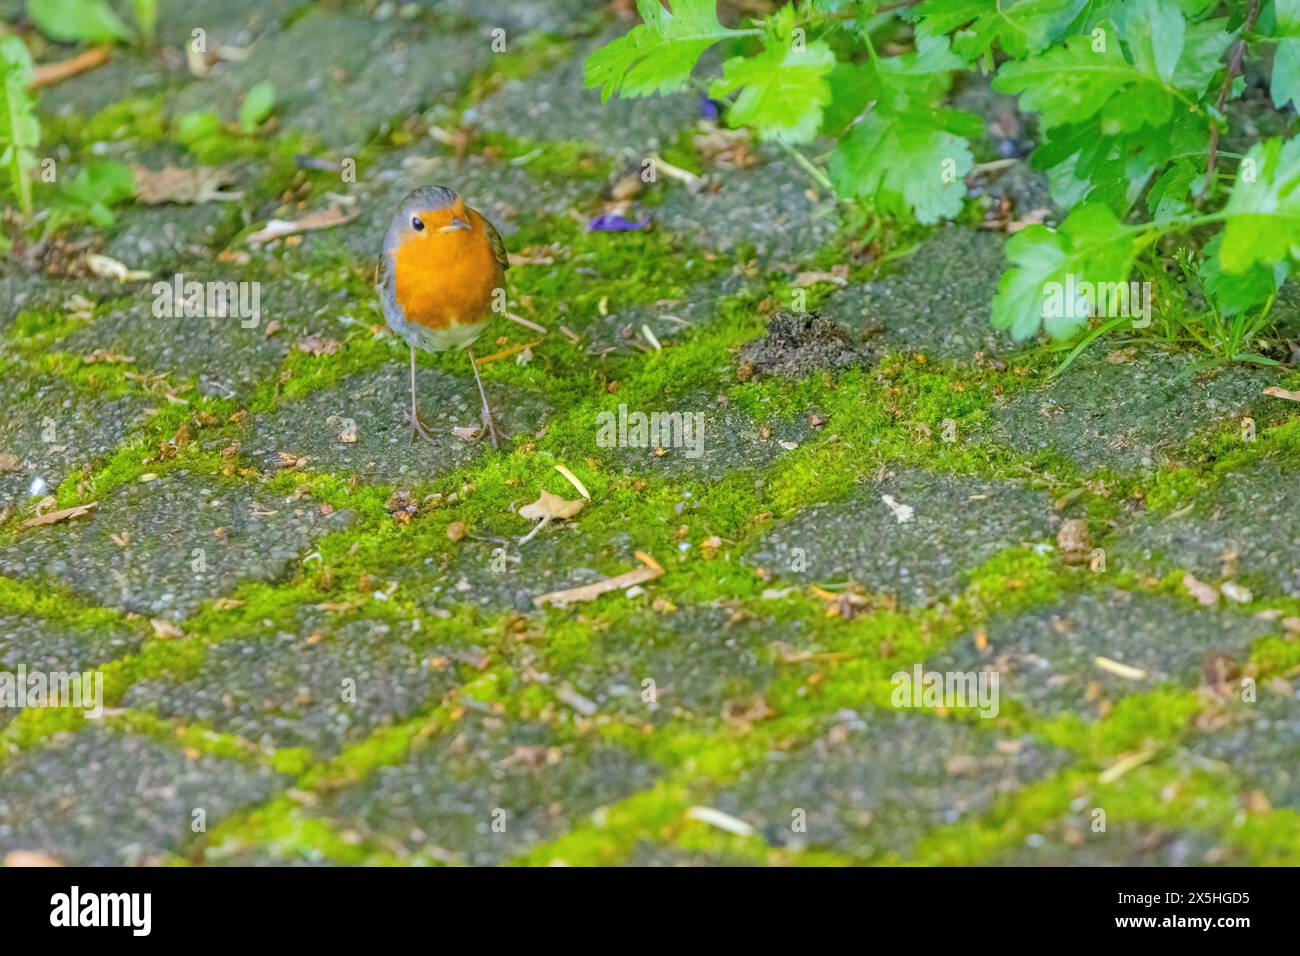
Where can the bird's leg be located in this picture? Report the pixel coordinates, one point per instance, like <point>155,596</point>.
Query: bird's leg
<point>418,430</point>
<point>489,426</point>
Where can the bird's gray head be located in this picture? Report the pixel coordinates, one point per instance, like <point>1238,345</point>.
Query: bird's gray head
<point>426,210</point>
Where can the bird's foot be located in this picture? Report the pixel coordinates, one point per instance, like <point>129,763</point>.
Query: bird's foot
<point>419,431</point>
<point>491,429</point>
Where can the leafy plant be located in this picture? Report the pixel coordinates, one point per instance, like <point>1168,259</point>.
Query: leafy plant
<point>90,196</point>
<point>20,131</point>
<point>1132,99</point>
<point>257,106</point>
<point>70,21</point>
<point>146,18</point>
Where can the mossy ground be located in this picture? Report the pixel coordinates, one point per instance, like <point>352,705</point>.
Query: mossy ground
<point>542,715</point>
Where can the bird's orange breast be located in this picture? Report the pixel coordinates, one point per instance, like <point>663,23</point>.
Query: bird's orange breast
<point>447,279</point>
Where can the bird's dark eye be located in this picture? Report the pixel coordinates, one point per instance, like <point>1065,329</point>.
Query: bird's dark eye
<point>417,224</point>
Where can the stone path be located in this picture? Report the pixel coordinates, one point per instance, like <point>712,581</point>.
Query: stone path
<point>318,645</point>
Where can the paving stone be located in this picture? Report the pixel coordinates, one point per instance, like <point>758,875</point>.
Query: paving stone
<point>377,70</point>
<point>699,659</point>
<point>936,300</point>
<point>881,780</point>
<point>1258,746</point>
<point>228,354</point>
<point>168,520</point>
<point>46,645</point>
<point>1254,515</point>
<point>50,647</point>
<point>233,23</point>
<point>669,318</point>
<point>229,22</point>
<point>441,802</point>
<point>369,407</point>
<point>162,239</point>
<point>555,106</point>
<point>493,571</point>
<point>98,798</point>
<point>518,17</point>
<point>52,429</point>
<point>648,853</point>
<point>1128,416</point>
<point>726,440</point>
<point>128,75</point>
<point>291,690</point>
<point>1072,842</point>
<point>1045,658</point>
<point>958,523</point>
<point>765,207</point>
<point>27,290</point>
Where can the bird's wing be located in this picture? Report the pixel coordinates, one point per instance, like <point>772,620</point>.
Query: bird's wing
<point>380,274</point>
<point>498,244</point>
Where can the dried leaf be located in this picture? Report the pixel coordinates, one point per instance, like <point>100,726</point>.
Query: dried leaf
<point>49,74</point>
<point>173,184</point>
<point>54,517</point>
<point>1276,392</point>
<point>723,821</point>
<point>1205,593</point>
<point>312,222</point>
<point>902,513</point>
<point>1235,592</point>
<point>805,279</point>
<point>8,462</point>
<point>573,480</point>
<point>164,628</point>
<point>649,570</point>
<point>29,858</point>
<point>318,345</point>
<point>107,267</point>
<point>551,506</point>
<point>1118,669</point>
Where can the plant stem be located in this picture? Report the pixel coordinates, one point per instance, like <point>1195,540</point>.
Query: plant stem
<point>819,177</point>
<point>1234,68</point>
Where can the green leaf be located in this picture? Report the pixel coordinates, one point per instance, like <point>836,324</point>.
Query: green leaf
<point>785,88</point>
<point>905,162</point>
<point>1170,195</point>
<point>1202,56</point>
<point>20,131</point>
<point>1235,292</point>
<point>1088,76</point>
<point>1020,27</point>
<point>72,21</point>
<point>1284,86</point>
<point>908,154</point>
<point>146,18</point>
<point>91,194</point>
<point>659,54</point>
<point>257,106</point>
<point>1263,212</point>
<point>1092,246</point>
<point>1155,31</point>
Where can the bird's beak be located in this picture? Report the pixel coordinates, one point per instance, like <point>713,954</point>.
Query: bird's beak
<point>456,225</point>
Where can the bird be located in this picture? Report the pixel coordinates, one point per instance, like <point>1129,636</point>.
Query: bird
<point>441,273</point>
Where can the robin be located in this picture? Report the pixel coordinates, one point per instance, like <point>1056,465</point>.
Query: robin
<point>442,265</point>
